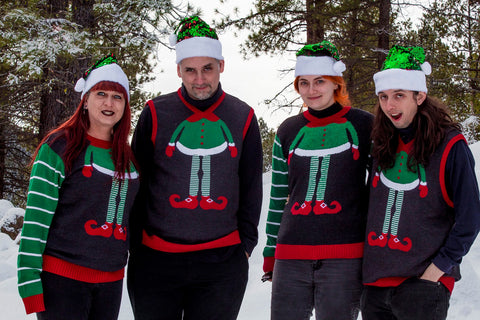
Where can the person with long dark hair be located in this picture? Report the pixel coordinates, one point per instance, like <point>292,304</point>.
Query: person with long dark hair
<point>424,208</point>
<point>316,219</point>
<point>74,242</point>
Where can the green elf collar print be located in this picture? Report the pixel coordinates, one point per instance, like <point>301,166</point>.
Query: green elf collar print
<point>398,180</point>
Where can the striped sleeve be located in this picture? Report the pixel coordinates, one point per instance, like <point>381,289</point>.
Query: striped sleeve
<point>45,180</point>
<point>278,197</point>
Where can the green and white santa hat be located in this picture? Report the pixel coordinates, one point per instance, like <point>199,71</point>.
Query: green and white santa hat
<point>404,68</point>
<point>105,69</point>
<point>320,59</point>
<point>194,38</point>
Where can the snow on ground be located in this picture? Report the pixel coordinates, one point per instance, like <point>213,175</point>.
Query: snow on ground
<point>464,304</point>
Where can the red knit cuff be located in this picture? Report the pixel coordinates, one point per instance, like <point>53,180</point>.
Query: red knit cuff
<point>268,263</point>
<point>34,303</point>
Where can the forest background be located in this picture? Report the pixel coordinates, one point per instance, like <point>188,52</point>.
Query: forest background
<point>46,44</point>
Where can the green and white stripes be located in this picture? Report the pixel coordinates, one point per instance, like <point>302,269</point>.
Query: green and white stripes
<point>278,197</point>
<point>46,178</point>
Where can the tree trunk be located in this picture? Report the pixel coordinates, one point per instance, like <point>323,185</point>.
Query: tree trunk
<point>383,30</point>
<point>314,19</point>
<point>59,100</point>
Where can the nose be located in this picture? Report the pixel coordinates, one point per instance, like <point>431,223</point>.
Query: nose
<point>199,77</point>
<point>109,100</point>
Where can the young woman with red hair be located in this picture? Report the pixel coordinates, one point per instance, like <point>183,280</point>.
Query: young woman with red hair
<point>74,243</point>
<point>316,219</point>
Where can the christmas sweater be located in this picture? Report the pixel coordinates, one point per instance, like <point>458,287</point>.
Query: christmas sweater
<point>202,173</point>
<point>318,198</point>
<point>428,214</point>
<point>75,222</point>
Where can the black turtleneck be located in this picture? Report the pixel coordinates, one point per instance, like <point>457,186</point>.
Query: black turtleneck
<point>202,104</point>
<point>330,111</point>
<point>407,134</point>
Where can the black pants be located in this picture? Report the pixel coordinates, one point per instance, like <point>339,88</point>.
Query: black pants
<point>181,286</point>
<point>414,299</point>
<point>71,299</point>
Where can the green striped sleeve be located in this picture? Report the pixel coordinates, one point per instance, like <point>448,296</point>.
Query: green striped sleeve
<point>46,178</point>
<point>278,197</point>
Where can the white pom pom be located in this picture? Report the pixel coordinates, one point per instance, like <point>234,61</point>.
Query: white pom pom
<point>426,68</point>
<point>80,85</point>
<point>172,39</point>
<point>339,67</point>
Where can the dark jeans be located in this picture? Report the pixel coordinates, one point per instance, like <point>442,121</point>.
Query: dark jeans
<point>171,286</point>
<point>71,299</point>
<point>414,299</point>
<point>332,287</point>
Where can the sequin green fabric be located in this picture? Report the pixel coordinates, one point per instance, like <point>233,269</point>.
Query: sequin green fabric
<point>324,48</point>
<point>194,27</point>
<point>108,59</point>
<point>408,58</point>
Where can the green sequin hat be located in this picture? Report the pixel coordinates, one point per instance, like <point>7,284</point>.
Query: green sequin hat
<point>320,59</point>
<point>194,38</point>
<point>105,69</point>
<point>404,68</point>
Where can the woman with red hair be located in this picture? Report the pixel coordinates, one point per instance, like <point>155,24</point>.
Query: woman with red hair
<point>74,242</point>
<point>316,219</point>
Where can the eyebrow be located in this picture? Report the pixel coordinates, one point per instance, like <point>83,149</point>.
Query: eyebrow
<point>319,77</point>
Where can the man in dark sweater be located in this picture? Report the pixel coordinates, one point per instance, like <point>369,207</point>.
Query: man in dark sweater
<point>195,220</point>
<point>424,209</point>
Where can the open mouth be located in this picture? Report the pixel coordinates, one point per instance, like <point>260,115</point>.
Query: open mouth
<point>107,113</point>
<point>396,116</point>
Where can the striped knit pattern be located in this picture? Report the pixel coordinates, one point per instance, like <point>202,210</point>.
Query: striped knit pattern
<point>48,174</point>
<point>278,197</point>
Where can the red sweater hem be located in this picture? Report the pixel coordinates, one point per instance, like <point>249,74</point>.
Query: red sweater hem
<point>160,244</point>
<point>318,252</point>
<point>448,282</point>
<point>72,271</point>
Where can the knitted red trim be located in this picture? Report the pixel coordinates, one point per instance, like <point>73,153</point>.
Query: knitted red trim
<point>159,244</point>
<point>443,164</point>
<point>311,252</point>
<point>268,264</point>
<point>34,303</point>
<point>153,111</point>
<point>72,271</point>
<point>194,109</point>
<point>99,143</point>
<point>247,124</point>
<point>448,282</point>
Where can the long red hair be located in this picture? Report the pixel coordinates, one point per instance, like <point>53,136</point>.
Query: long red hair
<point>340,94</point>
<point>74,130</point>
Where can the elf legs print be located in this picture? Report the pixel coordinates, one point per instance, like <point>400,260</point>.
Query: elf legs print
<point>206,202</point>
<point>107,229</point>
<point>320,206</point>
<point>392,224</point>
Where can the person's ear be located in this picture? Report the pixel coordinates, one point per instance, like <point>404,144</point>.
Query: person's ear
<point>421,96</point>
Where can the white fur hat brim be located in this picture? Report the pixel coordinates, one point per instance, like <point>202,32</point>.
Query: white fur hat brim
<point>110,72</point>
<point>321,66</point>
<point>198,47</point>
<point>400,79</point>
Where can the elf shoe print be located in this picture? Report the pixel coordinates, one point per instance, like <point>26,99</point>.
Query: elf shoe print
<point>303,209</point>
<point>381,241</point>
<point>395,244</point>
<point>120,233</point>
<point>207,203</point>
<point>190,202</point>
<point>322,208</point>
<point>104,230</point>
